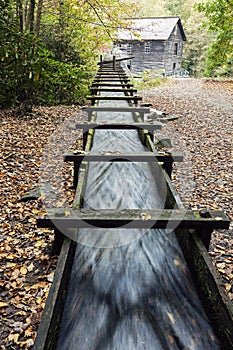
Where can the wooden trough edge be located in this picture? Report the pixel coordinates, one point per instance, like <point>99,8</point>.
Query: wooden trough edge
<point>49,325</point>
<point>215,300</point>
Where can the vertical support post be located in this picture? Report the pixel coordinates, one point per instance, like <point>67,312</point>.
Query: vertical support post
<point>85,134</point>
<point>76,170</point>
<point>205,236</point>
<point>89,114</point>
<point>101,61</point>
<point>114,63</point>
<point>168,166</point>
<point>57,244</point>
<point>135,101</point>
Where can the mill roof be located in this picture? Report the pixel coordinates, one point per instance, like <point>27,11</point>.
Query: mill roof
<point>150,28</point>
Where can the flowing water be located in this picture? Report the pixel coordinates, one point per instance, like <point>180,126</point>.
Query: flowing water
<point>129,289</point>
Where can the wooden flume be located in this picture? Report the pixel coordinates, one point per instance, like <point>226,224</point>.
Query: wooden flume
<point>193,229</point>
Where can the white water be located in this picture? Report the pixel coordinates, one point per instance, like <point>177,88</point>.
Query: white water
<point>129,289</point>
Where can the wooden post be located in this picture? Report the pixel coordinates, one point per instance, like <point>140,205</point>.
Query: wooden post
<point>101,61</point>
<point>76,170</point>
<point>57,244</point>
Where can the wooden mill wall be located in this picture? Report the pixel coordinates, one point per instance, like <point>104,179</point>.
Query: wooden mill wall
<point>160,56</point>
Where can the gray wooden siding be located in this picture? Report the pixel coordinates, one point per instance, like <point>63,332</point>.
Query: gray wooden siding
<point>165,57</point>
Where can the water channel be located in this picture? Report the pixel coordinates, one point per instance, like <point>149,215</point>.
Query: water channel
<point>129,289</point>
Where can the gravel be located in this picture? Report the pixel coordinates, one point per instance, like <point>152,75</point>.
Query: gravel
<point>203,132</point>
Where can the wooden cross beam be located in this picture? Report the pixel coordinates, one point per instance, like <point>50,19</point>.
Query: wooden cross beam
<point>135,99</point>
<point>134,218</point>
<point>116,59</point>
<point>118,126</point>
<point>103,79</point>
<point>140,110</point>
<point>94,85</point>
<point>111,74</point>
<point>94,91</point>
<point>147,157</point>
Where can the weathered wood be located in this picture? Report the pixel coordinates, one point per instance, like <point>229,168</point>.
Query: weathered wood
<point>111,74</point>
<point>135,99</point>
<point>134,218</point>
<point>117,60</point>
<point>139,110</point>
<point>164,55</point>
<point>123,89</point>
<point>216,304</point>
<point>122,85</point>
<point>166,158</point>
<point>123,157</point>
<point>49,326</point>
<point>209,286</point>
<point>119,126</point>
<point>105,79</point>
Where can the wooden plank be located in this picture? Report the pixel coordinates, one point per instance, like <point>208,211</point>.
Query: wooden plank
<point>209,286</point>
<point>123,89</point>
<point>112,79</point>
<point>140,110</point>
<point>166,158</point>
<point>117,60</point>
<point>123,157</point>
<point>49,326</point>
<point>94,85</point>
<point>135,99</point>
<point>119,126</point>
<point>111,74</point>
<point>133,218</point>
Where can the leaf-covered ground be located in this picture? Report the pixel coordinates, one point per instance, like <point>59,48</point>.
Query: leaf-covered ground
<point>203,131</point>
<point>26,268</point>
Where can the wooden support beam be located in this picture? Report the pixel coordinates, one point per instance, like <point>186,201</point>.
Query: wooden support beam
<point>111,74</point>
<point>133,218</point>
<point>135,99</point>
<point>113,80</point>
<point>147,157</point>
<point>94,85</point>
<point>117,60</point>
<point>140,110</point>
<point>119,126</point>
<point>94,91</point>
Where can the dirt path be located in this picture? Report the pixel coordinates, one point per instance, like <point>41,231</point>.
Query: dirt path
<point>204,133</point>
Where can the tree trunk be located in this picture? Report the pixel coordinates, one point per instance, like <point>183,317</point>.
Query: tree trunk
<point>20,14</point>
<point>38,17</point>
<point>31,16</point>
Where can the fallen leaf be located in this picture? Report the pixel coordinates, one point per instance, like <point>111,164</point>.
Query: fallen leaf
<point>23,270</point>
<point>2,304</point>
<point>171,339</point>
<point>13,337</point>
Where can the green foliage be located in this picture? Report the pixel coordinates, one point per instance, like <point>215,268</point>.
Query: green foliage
<point>150,8</point>
<point>195,50</point>
<point>149,79</point>
<point>220,54</point>
<point>50,60</point>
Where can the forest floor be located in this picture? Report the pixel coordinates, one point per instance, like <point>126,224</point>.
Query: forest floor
<point>203,132</point>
